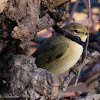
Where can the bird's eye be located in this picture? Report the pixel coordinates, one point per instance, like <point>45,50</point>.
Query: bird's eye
<point>75,31</point>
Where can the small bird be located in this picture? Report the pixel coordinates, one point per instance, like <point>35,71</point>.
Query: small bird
<point>58,53</point>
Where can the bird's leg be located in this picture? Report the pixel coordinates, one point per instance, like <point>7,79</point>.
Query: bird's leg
<point>74,71</point>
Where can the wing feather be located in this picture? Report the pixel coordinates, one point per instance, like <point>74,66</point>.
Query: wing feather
<point>51,50</point>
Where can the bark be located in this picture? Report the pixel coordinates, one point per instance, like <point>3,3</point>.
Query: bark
<point>48,5</point>
<point>26,81</point>
<point>19,76</point>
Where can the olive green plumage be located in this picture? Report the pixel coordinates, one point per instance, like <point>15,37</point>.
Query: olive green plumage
<point>59,53</point>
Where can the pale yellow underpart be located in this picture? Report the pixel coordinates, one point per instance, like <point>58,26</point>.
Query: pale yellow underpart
<point>70,57</point>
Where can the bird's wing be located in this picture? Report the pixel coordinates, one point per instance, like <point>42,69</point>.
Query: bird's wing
<point>52,49</point>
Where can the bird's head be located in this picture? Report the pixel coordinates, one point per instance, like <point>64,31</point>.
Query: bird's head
<point>77,29</point>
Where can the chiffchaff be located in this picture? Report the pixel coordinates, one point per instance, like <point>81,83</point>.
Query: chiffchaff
<point>59,53</point>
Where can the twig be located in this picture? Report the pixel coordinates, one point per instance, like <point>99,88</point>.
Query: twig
<point>64,85</point>
<point>85,3</point>
<point>89,10</point>
<point>74,8</point>
<point>71,94</point>
<point>90,97</point>
<point>87,42</point>
<point>67,7</point>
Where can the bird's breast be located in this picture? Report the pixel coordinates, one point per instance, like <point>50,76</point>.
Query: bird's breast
<point>70,57</point>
